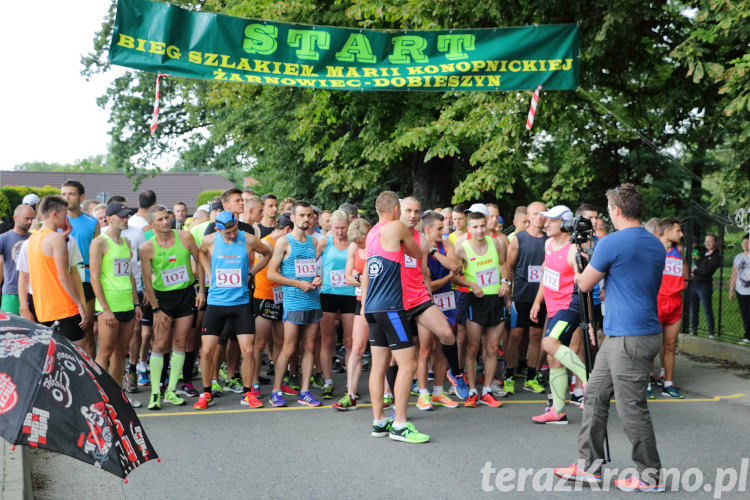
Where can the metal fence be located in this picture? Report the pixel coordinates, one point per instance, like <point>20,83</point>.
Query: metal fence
<point>729,230</point>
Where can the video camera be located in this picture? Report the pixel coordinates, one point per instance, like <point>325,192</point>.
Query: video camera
<point>580,228</point>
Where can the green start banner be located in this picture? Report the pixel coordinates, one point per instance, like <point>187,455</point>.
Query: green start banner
<point>164,38</point>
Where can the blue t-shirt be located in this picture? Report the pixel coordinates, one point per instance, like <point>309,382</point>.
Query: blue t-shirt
<point>10,246</point>
<point>633,261</point>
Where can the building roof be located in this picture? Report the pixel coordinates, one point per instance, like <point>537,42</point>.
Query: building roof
<point>169,188</point>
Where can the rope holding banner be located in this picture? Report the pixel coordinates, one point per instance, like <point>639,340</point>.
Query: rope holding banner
<point>155,120</point>
<point>532,109</point>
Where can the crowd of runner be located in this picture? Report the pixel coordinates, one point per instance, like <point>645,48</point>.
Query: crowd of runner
<point>419,295</point>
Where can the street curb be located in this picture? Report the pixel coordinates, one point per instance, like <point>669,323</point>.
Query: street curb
<point>698,346</point>
<point>16,473</point>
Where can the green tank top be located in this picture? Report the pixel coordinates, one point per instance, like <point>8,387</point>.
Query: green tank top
<point>483,269</point>
<point>171,267</point>
<point>115,277</point>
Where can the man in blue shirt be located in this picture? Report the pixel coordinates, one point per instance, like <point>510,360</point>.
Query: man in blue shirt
<point>631,261</point>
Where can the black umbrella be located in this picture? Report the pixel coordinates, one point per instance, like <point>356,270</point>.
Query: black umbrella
<point>54,396</point>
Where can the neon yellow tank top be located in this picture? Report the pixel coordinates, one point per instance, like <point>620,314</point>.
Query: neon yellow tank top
<point>115,276</point>
<point>483,269</point>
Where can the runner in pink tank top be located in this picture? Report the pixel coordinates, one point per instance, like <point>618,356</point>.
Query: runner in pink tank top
<point>558,279</point>
<point>412,279</point>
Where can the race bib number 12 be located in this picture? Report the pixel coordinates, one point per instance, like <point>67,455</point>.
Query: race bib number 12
<point>121,266</point>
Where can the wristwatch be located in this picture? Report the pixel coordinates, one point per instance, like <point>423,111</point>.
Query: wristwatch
<point>506,281</point>
<point>156,309</point>
<point>357,277</point>
<point>432,252</point>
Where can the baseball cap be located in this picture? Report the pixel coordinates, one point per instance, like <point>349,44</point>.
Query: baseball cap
<point>225,220</point>
<point>480,208</point>
<point>285,220</point>
<point>205,207</point>
<point>30,199</point>
<point>559,212</point>
<point>118,209</point>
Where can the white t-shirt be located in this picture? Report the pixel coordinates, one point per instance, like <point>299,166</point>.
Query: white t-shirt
<point>74,257</point>
<point>137,239</point>
<point>137,222</point>
<point>742,264</point>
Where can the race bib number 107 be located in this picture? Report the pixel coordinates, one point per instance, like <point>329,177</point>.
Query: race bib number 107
<point>175,276</point>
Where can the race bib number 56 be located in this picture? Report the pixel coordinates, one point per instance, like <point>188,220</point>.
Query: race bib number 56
<point>304,268</point>
<point>175,276</point>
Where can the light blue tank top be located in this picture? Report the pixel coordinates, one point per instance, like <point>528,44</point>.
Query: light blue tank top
<point>334,264</point>
<point>84,227</point>
<point>300,265</point>
<point>229,272</point>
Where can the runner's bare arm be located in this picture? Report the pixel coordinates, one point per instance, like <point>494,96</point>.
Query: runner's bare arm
<point>281,251</point>
<point>254,245</point>
<point>411,247</point>
<point>365,281</point>
<point>204,254</point>
<point>147,253</point>
<point>732,282</point>
<point>512,257</point>
<point>23,297</point>
<point>60,256</point>
<point>350,273</point>
<point>589,278</point>
<point>96,252</point>
<point>320,247</point>
<point>448,260</point>
<point>189,242</point>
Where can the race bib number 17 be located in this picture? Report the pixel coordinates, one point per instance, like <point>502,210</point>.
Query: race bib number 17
<point>488,277</point>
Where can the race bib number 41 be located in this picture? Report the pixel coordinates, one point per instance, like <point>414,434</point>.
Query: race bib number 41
<point>121,266</point>
<point>304,268</point>
<point>446,301</point>
<point>535,274</point>
<point>228,278</point>
<point>175,276</point>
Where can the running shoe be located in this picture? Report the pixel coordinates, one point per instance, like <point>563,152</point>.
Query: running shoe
<point>277,399</point>
<point>346,403</point>
<point>204,401</point>
<point>187,389</point>
<point>234,385</point>
<point>380,431</point>
<point>443,400</point>
<point>223,375</point>
<point>577,400</point>
<point>551,417</point>
<point>489,400</point>
<point>672,392</point>
<point>155,402</point>
<point>424,403</point>
<point>143,379</point>
<point>409,434</point>
<point>414,389</point>
<point>216,389</point>
<point>269,370</point>
<point>306,398</point>
<point>650,392</point>
<point>249,399</point>
<point>459,384</point>
<point>632,483</point>
<point>135,403</point>
<point>387,401</point>
<point>288,390</point>
<point>130,382</point>
<point>295,382</point>
<point>497,389</point>
<point>533,385</point>
<point>327,391</point>
<point>744,341</point>
<point>471,401</point>
<point>573,473</point>
<point>172,398</point>
<point>317,381</point>
<point>509,386</point>
<point>256,390</point>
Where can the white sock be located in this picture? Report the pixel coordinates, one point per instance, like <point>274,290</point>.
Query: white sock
<point>578,391</point>
<point>486,390</point>
<point>328,381</point>
<point>437,390</point>
<point>472,391</point>
<point>379,423</point>
<point>398,425</point>
<point>388,395</point>
<point>667,383</point>
<point>424,391</point>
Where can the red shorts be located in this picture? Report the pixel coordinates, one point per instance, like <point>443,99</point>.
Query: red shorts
<point>669,308</point>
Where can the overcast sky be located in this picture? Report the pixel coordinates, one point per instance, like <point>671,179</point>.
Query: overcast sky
<point>49,110</point>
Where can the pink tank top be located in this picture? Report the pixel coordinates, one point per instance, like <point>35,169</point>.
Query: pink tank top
<point>385,280</point>
<point>415,291</point>
<point>558,280</point>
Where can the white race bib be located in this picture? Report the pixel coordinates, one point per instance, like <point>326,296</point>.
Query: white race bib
<point>535,274</point>
<point>672,267</point>
<point>337,278</point>
<point>446,301</point>
<point>410,262</point>
<point>228,278</point>
<point>121,266</point>
<point>304,268</point>
<point>175,276</point>
<point>278,295</point>
<point>358,291</point>
<point>488,277</point>
<point>551,279</point>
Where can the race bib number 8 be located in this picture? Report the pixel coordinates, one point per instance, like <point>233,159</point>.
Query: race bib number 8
<point>673,267</point>
<point>304,268</point>
<point>535,274</point>
<point>121,266</point>
<point>228,278</point>
<point>551,279</point>
<point>175,276</point>
<point>278,295</point>
<point>446,301</point>
<point>488,277</point>
<point>337,278</point>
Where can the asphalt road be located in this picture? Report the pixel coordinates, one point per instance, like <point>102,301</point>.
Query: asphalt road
<point>231,452</point>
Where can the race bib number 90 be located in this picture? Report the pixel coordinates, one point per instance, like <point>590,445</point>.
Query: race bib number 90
<point>551,279</point>
<point>228,278</point>
<point>337,278</point>
<point>304,268</point>
<point>673,267</point>
<point>488,277</point>
<point>121,266</point>
<point>535,274</point>
<point>446,301</point>
<point>175,276</point>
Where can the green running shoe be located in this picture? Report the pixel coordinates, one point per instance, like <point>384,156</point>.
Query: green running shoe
<point>409,434</point>
<point>317,381</point>
<point>233,385</point>
<point>387,402</point>
<point>294,382</point>
<point>380,431</point>
<point>216,389</point>
<point>533,385</point>
<point>649,392</point>
<point>509,386</point>
<point>223,371</point>
<point>155,401</point>
<point>346,403</point>
<point>328,391</point>
<point>171,397</point>
<point>672,392</point>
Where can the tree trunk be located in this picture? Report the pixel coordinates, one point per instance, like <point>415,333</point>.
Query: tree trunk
<point>433,181</point>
